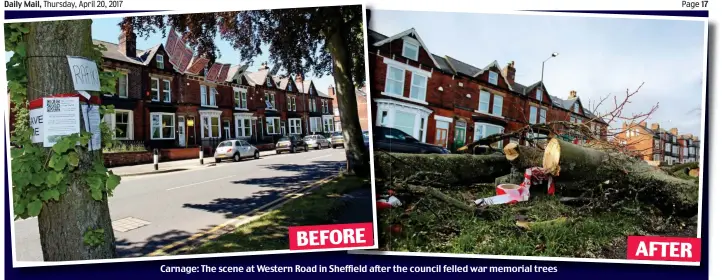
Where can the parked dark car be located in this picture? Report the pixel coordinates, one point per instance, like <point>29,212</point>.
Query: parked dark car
<point>291,144</point>
<point>396,141</point>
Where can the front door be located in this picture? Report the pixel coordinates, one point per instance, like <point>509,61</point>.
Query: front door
<point>181,131</point>
<point>227,129</point>
<point>191,131</point>
<point>460,135</point>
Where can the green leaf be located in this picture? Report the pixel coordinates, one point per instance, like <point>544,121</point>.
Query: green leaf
<point>34,207</point>
<point>54,178</point>
<point>21,179</point>
<point>62,146</point>
<point>19,208</point>
<point>112,182</point>
<point>73,159</point>
<point>50,194</point>
<point>15,153</point>
<point>21,48</point>
<point>96,194</point>
<point>94,182</point>
<point>37,180</point>
<point>63,188</point>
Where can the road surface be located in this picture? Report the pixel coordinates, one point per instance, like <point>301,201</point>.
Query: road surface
<point>174,206</point>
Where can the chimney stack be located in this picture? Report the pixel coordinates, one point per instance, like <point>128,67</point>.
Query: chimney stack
<point>264,66</point>
<point>509,72</point>
<point>127,42</point>
<point>673,131</point>
<point>299,78</point>
<point>331,91</point>
<point>572,94</point>
<point>655,126</point>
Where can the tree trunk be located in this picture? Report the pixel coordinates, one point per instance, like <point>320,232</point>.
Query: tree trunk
<point>523,157</point>
<point>63,223</point>
<point>579,168</point>
<point>440,169</point>
<point>356,154</point>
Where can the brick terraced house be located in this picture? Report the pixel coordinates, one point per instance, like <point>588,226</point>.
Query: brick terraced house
<point>444,101</point>
<point>658,145</point>
<point>167,98</point>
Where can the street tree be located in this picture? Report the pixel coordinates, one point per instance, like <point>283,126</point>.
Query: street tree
<point>319,40</point>
<point>66,186</point>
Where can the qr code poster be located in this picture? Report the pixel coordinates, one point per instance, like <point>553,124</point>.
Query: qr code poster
<point>61,117</point>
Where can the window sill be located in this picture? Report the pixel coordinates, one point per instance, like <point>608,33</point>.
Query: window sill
<point>241,109</point>
<point>491,115</point>
<point>272,110</point>
<point>404,98</point>
<point>209,106</point>
<point>153,139</point>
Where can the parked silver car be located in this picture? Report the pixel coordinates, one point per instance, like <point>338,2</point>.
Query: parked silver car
<point>337,140</point>
<point>317,142</point>
<point>236,150</point>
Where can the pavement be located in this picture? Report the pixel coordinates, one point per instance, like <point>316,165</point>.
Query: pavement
<point>171,166</point>
<point>153,211</point>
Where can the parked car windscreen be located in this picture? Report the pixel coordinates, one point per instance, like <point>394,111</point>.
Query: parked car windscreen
<point>308,138</point>
<point>284,139</point>
<point>226,144</point>
<point>338,133</point>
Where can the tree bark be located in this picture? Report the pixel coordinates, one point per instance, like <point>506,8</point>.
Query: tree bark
<point>579,168</point>
<point>356,154</point>
<point>440,169</point>
<point>63,223</point>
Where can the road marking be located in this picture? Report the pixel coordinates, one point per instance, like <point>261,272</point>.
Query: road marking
<point>175,188</point>
<point>163,251</point>
<point>320,157</point>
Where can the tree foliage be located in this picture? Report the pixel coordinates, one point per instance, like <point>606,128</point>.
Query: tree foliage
<point>296,38</point>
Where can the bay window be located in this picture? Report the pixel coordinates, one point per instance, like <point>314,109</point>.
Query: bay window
<point>162,126</point>
<point>210,124</point>
<point>273,125</point>
<point>244,125</point>
<point>121,123</point>
<point>482,130</point>
<point>294,126</point>
<point>316,124</point>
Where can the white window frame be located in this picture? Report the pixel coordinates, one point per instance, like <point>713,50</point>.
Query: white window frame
<point>123,76</point>
<point>316,124</point>
<point>421,91</point>
<point>410,45</point>
<point>533,111</point>
<point>292,103</point>
<point>110,119</point>
<point>387,109</point>
<point>542,115</point>
<point>484,95</point>
<point>294,126</point>
<point>212,97</point>
<point>576,107</point>
<point>324,106</point>
<point>155,93</point>
<point>172,126</point>
<point>498,103</point>
<point>271,98</point>
<point>241,125</point>
<point>269,82</point>
<point>209,116</point>
<point>484,133</point>
<point>539,94</point>
<point>276,124</point>
<point>493,78</point>
<point>159,63</point>
<point>240,98</point>
<point>204,95</point>
<point>328,125</point>
<point>226,129</point>
<point>388,77</point>
<point>167,91</point>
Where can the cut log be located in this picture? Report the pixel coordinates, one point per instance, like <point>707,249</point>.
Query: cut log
<point>446,169</point>
<point>523,157</point>
<point>580,167</point>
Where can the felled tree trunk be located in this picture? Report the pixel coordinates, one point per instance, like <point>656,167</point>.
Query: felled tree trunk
<point>523,157</point>
<point>445,169</point>
<point>586,168</point>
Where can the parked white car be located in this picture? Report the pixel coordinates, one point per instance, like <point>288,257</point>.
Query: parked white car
<point>317,142</point>
<point>236,150</point>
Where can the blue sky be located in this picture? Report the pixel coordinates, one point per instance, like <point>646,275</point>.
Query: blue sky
<point>597,56</point>
<point>107,29</point>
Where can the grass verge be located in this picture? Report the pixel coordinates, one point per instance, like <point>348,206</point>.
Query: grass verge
<point>542,226</point>
<point>270,232</point>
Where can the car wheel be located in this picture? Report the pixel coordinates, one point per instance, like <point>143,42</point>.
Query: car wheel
<point>257,155</point>
<point>293,150</point>
<point>218,160</point>
<point>278,152</point>
<point>237,157</point>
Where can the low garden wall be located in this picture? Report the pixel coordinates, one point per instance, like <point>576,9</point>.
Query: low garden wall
<point>127,158</point>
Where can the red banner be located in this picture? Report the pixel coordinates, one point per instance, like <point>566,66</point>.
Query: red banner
<point>658,248</point>
<point>331,236</point>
